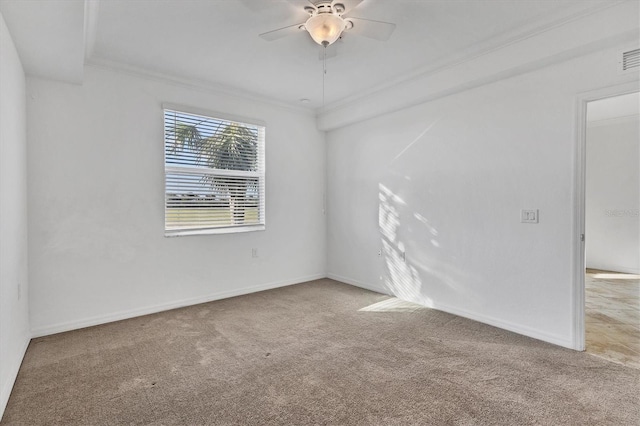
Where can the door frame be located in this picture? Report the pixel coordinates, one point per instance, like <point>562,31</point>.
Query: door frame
<point>579,202</point>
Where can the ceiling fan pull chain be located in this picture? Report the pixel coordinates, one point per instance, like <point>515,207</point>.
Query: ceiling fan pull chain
<point>324,71</point>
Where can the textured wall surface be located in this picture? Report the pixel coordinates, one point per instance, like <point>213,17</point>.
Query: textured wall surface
<point>14,309</point>
<point>613,197</point>
<point>437,190</point>
<point>96,176</point>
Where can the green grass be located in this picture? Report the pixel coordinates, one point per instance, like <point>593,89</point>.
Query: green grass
<point>184,217</point>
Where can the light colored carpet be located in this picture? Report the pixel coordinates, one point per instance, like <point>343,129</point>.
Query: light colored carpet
<point>315,353</point>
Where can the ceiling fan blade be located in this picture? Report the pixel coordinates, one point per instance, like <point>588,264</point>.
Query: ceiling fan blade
<point>282,32</point>
<point>377,30</point>
<point>349,5</point>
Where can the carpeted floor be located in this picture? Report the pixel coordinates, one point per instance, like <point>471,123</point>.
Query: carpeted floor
<point>315,353</point>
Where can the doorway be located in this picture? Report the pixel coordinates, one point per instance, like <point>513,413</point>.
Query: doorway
<point>612,229</point>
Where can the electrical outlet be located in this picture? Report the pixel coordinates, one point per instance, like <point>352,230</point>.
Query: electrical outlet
<point>254,252</point>
<point>380,253</point>
<point>529,216</point>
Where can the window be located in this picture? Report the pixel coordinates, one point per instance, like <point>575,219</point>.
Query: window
<point>214,175</point>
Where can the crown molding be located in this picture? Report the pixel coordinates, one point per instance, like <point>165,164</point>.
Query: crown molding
<point>119,67</point>
<point>477,50</point>
<point>460,60</point>
<point>561,41</point>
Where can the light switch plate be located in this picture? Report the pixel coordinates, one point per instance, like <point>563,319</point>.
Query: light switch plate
<point>529,216</point>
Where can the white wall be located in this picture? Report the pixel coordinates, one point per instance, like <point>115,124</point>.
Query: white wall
<point>613,196</point>
<point>14,310</point>
<point>444,181</point>
<point>96,178</point>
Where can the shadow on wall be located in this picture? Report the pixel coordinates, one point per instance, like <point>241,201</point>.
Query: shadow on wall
<point>418,267</point>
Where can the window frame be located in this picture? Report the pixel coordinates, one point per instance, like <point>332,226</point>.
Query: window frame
<point>261,174</point>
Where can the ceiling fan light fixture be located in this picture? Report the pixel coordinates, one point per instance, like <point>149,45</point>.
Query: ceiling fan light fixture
<point>325,28</point>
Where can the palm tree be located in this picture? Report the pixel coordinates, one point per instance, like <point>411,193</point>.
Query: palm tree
<point>232,147</point>
<point>185,136</point>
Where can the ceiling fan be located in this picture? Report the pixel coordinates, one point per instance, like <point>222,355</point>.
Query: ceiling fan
<point>327,22</point>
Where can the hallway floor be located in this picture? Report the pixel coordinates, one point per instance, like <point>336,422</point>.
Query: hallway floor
<point>612,316</point>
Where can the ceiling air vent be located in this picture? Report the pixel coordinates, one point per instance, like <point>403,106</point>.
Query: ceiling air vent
<point>630,60</point>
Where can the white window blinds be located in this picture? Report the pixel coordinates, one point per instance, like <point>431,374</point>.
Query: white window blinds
<point>214,175</point>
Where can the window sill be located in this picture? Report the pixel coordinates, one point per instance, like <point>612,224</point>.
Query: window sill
<point>213,231</point>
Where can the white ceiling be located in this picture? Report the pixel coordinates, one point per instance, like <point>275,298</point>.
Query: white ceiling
<point>48,35</point>
<point>215,42</point>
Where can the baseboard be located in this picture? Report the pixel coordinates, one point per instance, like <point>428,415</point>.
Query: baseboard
<point>122,315</point>
<point>485,319</point>
<point>118,316</point>
<point>614,269</point>
<point>351,281</point>
<point>506,325</point>
<point>356,283</point>
<point>14,368</point>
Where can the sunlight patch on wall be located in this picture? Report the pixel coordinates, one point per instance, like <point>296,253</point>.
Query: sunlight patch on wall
<point>400,277</point>
<point>424,132</point>
<point>415,265</point>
